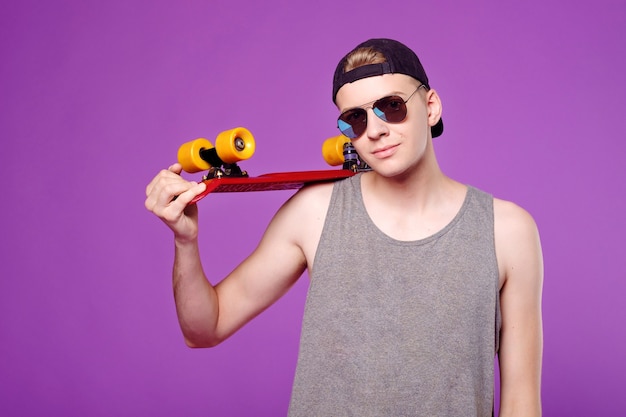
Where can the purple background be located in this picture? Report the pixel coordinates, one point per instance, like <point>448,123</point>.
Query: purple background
<point>96,97</point>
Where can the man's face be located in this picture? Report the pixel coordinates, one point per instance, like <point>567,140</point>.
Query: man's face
<point>392,148</point>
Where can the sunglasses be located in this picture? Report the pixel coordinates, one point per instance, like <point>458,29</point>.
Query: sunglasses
<point>391,109</point>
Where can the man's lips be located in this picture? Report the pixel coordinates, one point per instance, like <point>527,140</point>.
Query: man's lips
<point>385,151</point>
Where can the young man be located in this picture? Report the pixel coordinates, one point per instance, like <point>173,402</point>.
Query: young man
<point>417,281</point>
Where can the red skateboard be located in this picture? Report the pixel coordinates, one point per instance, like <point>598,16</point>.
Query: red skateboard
<point>232,146</point>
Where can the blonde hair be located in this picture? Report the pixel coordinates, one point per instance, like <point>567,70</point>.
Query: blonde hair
<point>361,57</point>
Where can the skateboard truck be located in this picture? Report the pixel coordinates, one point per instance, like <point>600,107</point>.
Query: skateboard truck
<point>219,168</point>
<point>220,161</point>
<point>339,150</point>
<point>225,171</point>
<point>351,159</point>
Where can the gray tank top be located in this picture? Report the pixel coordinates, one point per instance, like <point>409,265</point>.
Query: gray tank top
<point>396,328</point>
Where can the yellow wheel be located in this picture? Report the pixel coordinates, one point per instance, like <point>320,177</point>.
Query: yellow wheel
<point>189,155</point>
<point>235,145</point>
<point>332,150</point>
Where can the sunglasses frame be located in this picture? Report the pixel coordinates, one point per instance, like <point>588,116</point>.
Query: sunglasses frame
<point>377,111</point>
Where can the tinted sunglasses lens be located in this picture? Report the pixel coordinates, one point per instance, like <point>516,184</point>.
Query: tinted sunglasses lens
<point>390,109</point>
<point>352,123</point>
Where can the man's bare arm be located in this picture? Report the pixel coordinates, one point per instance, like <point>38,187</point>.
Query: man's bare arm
<point>209,314</point>
<point>521,340</point>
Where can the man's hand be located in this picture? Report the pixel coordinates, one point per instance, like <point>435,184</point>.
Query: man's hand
<point>168,196</point>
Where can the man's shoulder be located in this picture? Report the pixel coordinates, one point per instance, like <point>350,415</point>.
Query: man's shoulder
<point>510,214</point>
<point>308,206</point>
<point>314,196</point>
<point>515,229</point>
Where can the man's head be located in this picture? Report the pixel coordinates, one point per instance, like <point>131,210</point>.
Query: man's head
<point>377,57</point>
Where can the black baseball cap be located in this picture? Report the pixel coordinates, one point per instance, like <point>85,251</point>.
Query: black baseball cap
<point>399,60</point>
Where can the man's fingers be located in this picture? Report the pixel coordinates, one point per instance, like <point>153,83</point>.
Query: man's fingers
<point>176,168</point>
<point>182,199</point>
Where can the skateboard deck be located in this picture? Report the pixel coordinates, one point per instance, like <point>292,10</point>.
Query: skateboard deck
<point>234,145</point>
<point>271,182</point>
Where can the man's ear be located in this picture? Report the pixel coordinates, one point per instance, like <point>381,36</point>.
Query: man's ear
<point>433,104</point>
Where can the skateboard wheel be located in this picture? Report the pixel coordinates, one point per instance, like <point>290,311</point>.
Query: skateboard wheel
<point>189,155</point>
<point>332,150</point>
<point>235,145</point>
